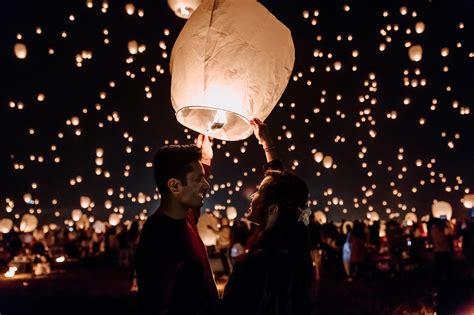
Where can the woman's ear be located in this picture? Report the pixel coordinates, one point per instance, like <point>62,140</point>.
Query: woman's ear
<point>273,209</point>
<point>174,185</point>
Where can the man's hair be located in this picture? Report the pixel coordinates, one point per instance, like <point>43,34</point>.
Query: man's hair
<point>174,161</point>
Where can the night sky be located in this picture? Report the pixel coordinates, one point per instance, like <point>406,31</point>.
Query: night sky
<point>400,132</point>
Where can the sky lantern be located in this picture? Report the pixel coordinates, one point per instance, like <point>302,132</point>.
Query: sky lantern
<point>327,161</point>
<point>415,53</point>
<point>373,216</point>
<point>133,47</point>
<point>320,217</point>
<point>468,201</point>
<point>420,27</point>
<point>184,8</point>
<point>441,209</point>
<point>114,219</point>
<point>20,50</point>
<point>410,218</point>
<point>85,202</point>
<point>99,227</point>
<point>27,198</point>
<point>208,236</point>
<point>76,215</point>
<point>231,212</point>
<point>318,157</point>
<point>6,225</point>
<point>28,223</point>
<point>230,63</point>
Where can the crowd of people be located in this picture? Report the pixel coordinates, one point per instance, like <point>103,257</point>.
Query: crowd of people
<point>272,258</point>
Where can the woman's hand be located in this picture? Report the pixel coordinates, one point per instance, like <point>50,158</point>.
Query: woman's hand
<point>204,143</point>
<point>262,133</point>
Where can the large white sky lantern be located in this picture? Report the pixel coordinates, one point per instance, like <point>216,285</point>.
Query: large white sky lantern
<point>441,209</point>
<point>184,8</point>
<point>230,63</point>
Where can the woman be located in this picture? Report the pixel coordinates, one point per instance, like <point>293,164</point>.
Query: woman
<point>276,277</point>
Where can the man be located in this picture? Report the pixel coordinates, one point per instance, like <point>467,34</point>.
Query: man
<point>173,271</point>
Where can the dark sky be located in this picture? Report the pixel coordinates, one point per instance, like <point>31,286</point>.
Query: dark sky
<point>376,163</point>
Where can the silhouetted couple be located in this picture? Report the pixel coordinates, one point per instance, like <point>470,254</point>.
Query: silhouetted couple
<point>173,270</point>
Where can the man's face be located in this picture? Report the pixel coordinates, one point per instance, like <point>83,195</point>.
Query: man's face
<point>255,212</point>
<point>192,194</point>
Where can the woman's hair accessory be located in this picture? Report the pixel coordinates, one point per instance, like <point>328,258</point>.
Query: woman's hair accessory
<point>304,215</point>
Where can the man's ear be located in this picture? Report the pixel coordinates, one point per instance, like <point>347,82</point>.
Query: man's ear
<point>174,185</point>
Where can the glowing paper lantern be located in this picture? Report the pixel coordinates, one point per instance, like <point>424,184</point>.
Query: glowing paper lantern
<point>420,27</point>
<point>28,223</point>
<point>133,47</point>
<point>20,50</point>
<point>327,161</point>
<point>320,217</point>
<point>85,202</point>
<point>76,215</point>
<point>415,53</point>
<point>231,213</point>
<point>373,216</point>
<point>318,156</point>
<point>468,201</point>
<point>99,227</point>
<point>27,198</point>
<point>346,225</point>
<point>184,8</point>
<point>410,218</point>
<point>114,219</point>
<point>441,209</point>
<point>6,225</point>
<point>230,63</point>
<point>208,236</point>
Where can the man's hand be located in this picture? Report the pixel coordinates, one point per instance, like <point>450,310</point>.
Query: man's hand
<point>262,133</point>
<point>204,143</point>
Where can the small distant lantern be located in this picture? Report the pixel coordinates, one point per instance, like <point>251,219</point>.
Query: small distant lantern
<point>410,218</point>
<point>415,53</point>
<point>6,225</point>
<point>442,209</point>
<point>420,27</point>
<point>76,215</point>
<point>318,157</point>
<point>20,50</point>
<point>230,64</point>
<point>208,236</point>
<point>373,216</point>
<point>114,219</point>
<point>85,202</point>
<point>184,8</point>
<point>99,227</point>
<point>327,161</point>
<point>320,217</point>
<point>28,223</point>
<point>468,201</point>
<point>231,213</point>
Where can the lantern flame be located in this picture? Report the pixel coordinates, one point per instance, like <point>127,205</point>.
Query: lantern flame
<point>220,119</point>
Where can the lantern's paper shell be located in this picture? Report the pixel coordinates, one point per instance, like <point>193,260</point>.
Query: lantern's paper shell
<point>230,64</point>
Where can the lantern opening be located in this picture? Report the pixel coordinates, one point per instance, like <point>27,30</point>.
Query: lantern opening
<point>217,123</point>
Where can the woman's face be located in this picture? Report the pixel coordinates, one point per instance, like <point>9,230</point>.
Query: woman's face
<point>255,211</point>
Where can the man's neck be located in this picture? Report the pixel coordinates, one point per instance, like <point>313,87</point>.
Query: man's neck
<point>173,209</point>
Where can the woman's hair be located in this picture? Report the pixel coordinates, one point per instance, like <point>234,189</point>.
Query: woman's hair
<point>288,234</point>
